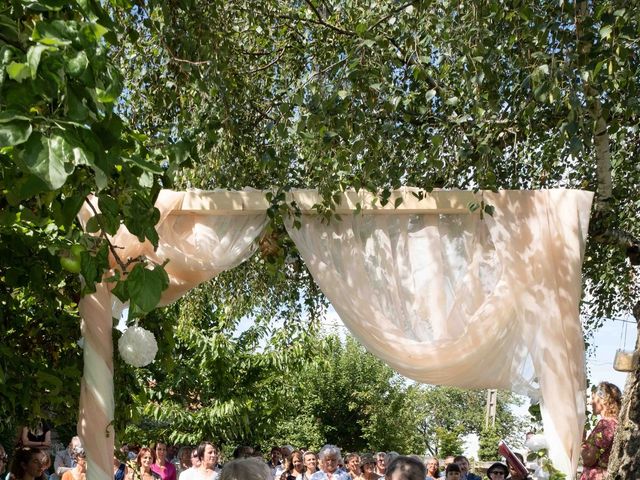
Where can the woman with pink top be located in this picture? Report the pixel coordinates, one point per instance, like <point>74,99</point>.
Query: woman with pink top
<point>161,465</point>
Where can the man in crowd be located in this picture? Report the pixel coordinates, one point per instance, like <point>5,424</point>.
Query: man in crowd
<point>463,463</point>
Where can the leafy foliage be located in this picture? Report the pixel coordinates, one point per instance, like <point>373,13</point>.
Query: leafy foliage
<point>488,448</point>
<point>228,353</point>
<point>450,413</point>
<point>60,140</point>
<point>354,400</point>
<point>379,94</point>
<point>284,95</point>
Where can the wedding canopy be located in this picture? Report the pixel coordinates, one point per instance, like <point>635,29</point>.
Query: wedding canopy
<point>443,293</point>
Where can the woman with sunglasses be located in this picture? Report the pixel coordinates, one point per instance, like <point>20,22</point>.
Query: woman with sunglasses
<point>497,471</point>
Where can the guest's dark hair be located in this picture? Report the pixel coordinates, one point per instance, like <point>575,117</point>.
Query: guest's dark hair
<point>243,451</point>
<point>452,467</point>
<point>203,446</point>
<point>21,457</point>
<point>406,468</point>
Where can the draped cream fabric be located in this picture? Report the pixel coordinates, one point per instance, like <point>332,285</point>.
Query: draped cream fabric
<point>456,299</point>
<point>443,297</point>
<point>198,248</point>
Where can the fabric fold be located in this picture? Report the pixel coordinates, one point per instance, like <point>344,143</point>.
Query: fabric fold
<point>468,300</point>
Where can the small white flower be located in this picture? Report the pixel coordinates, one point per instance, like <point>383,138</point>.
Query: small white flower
<point>540,474</point>
<point>137,346</point>
<point>536,442</point>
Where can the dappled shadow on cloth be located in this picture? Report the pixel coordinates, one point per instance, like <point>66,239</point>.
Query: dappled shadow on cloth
<point>456,299</point>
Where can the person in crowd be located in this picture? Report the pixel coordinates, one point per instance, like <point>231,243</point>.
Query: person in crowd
<point>405,468</point>
<point>514,474</point>
<point>295,467</point>
<point>65,458</point>
<point>246,469</point>
<point>310,460</point>
<point>452,472</point>
<point>368,468</point>
<point>282,468</point>
<point>381,465</point>
<point>286,451</point>
<point>172,453</point>
<point>208,454</point>
<point>161,465</point>
<point>433,468</point>
<point>45,465</point>
<point>79,472</point>
<point>243,451</point>
<point>448,461</point>
<point>606,400</point>
<point>497,471</point>
<point>119,469</point>
<point>26,464</point>
<point>3,460</point>
<point>194,468</point>
<point>134,449</point>
<point>330,459</point>
<point>463,463</point>
<point>352,464</point>
<point>36,437</point>
<point>275,456</point>
<point>184,460</point>
<point>144,460</point>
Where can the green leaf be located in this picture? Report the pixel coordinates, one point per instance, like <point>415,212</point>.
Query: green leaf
<point>120,291</point>
<point>605,32</point>
<point>596,70</point>
<point>110,213</point>
<point>44,158</point>
<point>76,65</point>
<point>33,57</point>
<point>44,5</point>
<point>71,149</point>
<point>76,106</point>
<point>430,94</point>
<point>18,71</point>
<point>145,286</point>
<point>14,132</point>
<point>112,86</point>
<point>49,382</point>
<point>93,31</point>
<point>543,69</point>
<point>145,165</point>
<point>452,101</point>
<point>55,32</point>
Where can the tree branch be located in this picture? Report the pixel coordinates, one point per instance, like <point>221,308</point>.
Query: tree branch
<point>270,64</point>
<point>391,14</point>
<point>323,22</point>
<point>112,247</point>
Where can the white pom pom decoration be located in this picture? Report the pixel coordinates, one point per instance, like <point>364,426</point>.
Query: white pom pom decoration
<point>137,346</point>
<point>536,442</point>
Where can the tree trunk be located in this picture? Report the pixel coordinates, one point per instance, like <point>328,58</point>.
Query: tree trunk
<point>624,463</point>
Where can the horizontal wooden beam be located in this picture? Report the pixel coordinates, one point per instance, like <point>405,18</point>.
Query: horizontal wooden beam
<point>249,202</point>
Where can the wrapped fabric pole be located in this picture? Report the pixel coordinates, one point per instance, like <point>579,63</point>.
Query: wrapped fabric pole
<point>199,246</point>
